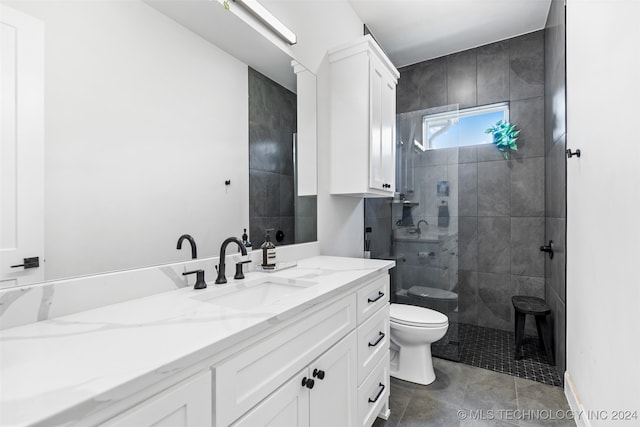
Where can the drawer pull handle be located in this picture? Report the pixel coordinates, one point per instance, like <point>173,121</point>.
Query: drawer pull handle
<point>380,338</point>
<point>380,295</point>
<point>375,399</point>
<point>318,373</point>
<point>308,383</point>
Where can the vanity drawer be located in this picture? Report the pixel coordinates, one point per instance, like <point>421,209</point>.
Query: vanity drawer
<point>373,342</point>
<point>245,379</point>
<point>373,393</point>
<point>372,297</point>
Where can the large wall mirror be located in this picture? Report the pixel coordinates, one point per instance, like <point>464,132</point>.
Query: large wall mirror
<point>161,118</point>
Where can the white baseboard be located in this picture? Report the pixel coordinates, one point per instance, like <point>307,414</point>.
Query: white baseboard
<point>575,404</point>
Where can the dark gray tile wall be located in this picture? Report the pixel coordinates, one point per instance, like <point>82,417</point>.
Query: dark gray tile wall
<point>555,174</point>
<point>498,205</point>
<point>272,196</point>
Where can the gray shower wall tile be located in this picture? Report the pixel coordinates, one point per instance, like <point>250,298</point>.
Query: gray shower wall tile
<point>408,90</point>
<point>555,73</point>
<point>287,195</point>
<point>264,194</point>
<point>494,190</point>
<point>432,158</point>
<point>526,62</point>
<point>306,229</point>
<point>488,153</point>
<point>555,181</point>
<point>555,229</point>
<point>454,190</point>
<point>468,243</point>
<point>433,83</point>
<point>468,189</point>
<point>306,206</point>
<point>527,187</point>
<point>494,245</point>
<point>378,208</point>
<point>493,73</point>
<point>494,301</point>
<point>527,236</point>
<point>262,152</point>
<point>468,297</point>
<point>380,237</point>
<point>528,115</point>
<point>528,286</point>
<point>462,79</point>
<point>426,181</point>
<point>468,154</point>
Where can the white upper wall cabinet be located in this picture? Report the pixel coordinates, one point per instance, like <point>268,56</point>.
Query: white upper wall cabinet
<point>363,108</point>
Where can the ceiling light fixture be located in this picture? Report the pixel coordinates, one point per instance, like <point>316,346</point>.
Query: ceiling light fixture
<point>274,24</point>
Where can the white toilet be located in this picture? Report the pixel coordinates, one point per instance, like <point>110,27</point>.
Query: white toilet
<point>413,330</point>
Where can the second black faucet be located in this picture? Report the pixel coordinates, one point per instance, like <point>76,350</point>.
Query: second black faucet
<point>221,277</point>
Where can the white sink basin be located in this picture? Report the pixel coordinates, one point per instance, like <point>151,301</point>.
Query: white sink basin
<point>252,293</point>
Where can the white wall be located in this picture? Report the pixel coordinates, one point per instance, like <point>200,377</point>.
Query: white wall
<point>144,123</point>
<point>603,199</point>
<point>320,26</point>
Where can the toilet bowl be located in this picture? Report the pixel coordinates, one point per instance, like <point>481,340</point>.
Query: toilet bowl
<point>413,330</point>
<point>441,300</point>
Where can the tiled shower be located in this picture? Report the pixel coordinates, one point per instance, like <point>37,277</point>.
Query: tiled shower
<point>488,249</point>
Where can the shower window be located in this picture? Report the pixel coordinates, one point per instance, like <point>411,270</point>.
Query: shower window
<point>460,128</point>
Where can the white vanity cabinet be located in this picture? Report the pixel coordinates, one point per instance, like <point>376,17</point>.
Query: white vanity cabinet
<point>363,107</point>
<point>329,368</point>
<point>186,404</point>
<point>323,394</point>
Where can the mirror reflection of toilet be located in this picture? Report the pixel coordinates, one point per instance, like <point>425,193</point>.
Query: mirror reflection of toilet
<point>413,330</point>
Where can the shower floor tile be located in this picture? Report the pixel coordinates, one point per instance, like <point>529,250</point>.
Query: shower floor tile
<point>493,349</point>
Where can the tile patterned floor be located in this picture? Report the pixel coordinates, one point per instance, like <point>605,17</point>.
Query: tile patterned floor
<point>493,349</point>
<point>464,395</point>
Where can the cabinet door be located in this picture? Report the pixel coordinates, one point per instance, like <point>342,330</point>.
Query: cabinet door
<point>288,406</point>
<point>333,399</point>
<point>388,131</point>
<point>376,167</point>
<point>187,404</point>
<point>382,123</point>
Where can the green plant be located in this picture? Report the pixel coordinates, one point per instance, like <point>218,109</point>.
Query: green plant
<point>505,135</point>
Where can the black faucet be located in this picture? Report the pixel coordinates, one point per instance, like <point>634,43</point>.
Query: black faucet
<point>194,250</point>
<point>221,277</point>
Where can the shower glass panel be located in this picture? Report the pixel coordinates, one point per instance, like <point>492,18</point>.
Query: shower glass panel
<point>418,228</point>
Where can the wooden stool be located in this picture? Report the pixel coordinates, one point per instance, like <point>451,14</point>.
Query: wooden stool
<point>540,309</point>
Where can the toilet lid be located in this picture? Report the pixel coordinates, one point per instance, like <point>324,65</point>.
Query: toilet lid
<point>432,293</point>
<point>411,315</point>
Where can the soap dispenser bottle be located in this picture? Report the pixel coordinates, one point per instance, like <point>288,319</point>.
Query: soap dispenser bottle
<point>268,252</point>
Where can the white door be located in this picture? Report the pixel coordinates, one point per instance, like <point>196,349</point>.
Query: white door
<point>21,148</point>
<point>333,399</point>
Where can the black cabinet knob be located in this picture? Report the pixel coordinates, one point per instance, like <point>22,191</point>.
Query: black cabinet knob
<point>308,383</point>
<point>318,373</point>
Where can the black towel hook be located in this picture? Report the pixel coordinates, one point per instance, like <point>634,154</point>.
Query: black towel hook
<point>571,154</point>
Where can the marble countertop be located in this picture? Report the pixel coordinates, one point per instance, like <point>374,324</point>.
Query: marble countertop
<point>66,368</point>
